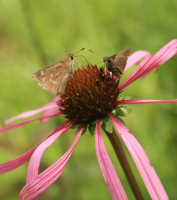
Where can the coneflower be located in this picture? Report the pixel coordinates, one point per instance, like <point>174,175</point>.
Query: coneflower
<point>92,100</point>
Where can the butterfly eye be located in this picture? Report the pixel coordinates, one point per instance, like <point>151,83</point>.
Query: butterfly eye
<point>109,61</point>
<point>72,57</point>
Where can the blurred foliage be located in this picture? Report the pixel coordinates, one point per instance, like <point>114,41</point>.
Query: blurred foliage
<point>36,34</point>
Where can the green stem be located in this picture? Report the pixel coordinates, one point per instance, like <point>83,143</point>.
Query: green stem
<point>114,139</point>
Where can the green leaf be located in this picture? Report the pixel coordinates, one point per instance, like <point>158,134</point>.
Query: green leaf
<point>127,98</point>
<point>106,124</point>
<point>120,120</point>
<point>85,129</point>
<point>73,127</point>
<point>120,97</point>
<point>119,112</point>
<point>126,109</point>
<point>113,111</point>
<point>93,122</point>
<point>78,128</point>
<point>92,128</point>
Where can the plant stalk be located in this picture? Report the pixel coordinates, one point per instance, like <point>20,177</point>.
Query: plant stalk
<point>115,141</point>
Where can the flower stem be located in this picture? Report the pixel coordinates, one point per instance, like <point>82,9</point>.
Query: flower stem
<point>114,139</point>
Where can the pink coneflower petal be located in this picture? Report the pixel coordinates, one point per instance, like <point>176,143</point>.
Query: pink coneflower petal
<point>147,172</point>
<point>141,101</point>
<point>158,59</point>
<point>35,160</point>
<point>135,57</point>
<point>52,110</point>
<point>8,128</point>
<point>32,189</point>
<point>31,113</point>
<point>17,162</point>
<point>110,176</point>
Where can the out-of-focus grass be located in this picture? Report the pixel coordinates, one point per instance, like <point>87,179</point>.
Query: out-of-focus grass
<point>35,34</point>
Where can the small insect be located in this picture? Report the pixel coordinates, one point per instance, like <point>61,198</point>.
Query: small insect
<point>55,77</point>
<point>116,63</point>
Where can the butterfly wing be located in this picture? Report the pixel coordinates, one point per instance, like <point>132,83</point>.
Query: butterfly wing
<point>53,78</point>
<point>113,57</point>
<point>120,61</point>
<point>63,82</point>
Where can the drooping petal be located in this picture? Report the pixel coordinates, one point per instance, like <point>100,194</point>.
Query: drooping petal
<point>147,172</point>
<point>30,113</point>
<point>32,189</point>
<point>35,160</point>
<point>155,61</point>
<point>141,101</point>
<point>135,57</point>
<point>52,110</point>
<point>17,162</point>
<point>8,128</point>
<point>110,176</point>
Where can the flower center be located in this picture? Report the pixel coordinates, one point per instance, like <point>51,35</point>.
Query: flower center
<point>89,94</point>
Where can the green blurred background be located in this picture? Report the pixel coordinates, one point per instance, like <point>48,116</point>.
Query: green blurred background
<point>36,34</point>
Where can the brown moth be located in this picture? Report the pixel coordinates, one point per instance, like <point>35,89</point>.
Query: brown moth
<point>116,63</point>
<point>55,77</point>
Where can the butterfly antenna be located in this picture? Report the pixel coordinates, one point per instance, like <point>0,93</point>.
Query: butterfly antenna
<point>98,62</point>
<point>79,50</point>
<point>95,53</point>
<point>83,57</point>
